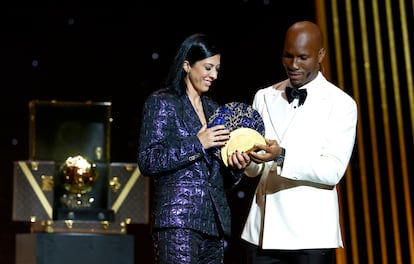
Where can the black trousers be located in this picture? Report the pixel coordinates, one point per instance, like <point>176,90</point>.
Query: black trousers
<point>256,255</point>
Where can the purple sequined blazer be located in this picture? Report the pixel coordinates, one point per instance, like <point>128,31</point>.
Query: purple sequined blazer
<point>189,182</point>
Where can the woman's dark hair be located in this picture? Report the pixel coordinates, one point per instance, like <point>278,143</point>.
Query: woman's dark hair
<point>194,48</point>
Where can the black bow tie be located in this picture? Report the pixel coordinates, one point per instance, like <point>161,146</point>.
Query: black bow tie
<point>292,93</point>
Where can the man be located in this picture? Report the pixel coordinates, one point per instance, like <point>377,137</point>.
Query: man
<point>310,135</point>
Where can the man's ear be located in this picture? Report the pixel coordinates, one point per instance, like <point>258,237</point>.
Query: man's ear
<point>321,55</point>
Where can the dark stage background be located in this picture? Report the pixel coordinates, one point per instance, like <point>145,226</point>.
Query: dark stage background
<point>120,52</point>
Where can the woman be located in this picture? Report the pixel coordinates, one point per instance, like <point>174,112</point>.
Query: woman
<point>190,216</point>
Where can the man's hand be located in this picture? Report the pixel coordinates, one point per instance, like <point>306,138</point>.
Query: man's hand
<point>264,153</point>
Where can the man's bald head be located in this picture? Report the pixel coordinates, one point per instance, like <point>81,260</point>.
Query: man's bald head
<point>303,52</point>
<point>307,29</point>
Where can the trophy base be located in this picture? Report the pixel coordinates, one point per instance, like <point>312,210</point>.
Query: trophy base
<point>86,214</point>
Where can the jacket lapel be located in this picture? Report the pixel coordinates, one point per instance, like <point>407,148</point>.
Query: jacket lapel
<point>190,120</point>
<point>280,114</point>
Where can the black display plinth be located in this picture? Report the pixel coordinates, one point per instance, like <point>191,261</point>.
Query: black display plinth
<point>94,214</point>
<point>74,248</point>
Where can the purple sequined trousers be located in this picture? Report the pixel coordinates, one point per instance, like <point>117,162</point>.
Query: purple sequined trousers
<point>185,246</point>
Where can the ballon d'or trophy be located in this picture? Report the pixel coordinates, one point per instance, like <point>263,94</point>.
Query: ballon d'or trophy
<point>78,176</point>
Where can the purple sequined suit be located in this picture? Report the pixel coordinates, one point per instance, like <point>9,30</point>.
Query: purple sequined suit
<point>189,181</point>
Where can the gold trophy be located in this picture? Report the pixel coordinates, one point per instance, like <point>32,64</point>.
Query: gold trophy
<point>78,176</point>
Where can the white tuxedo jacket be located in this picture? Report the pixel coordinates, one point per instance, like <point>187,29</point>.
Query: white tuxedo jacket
<point>296,207</point>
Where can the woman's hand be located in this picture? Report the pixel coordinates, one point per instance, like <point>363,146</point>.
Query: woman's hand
<point>239,160</point>
<point>215,136</point>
